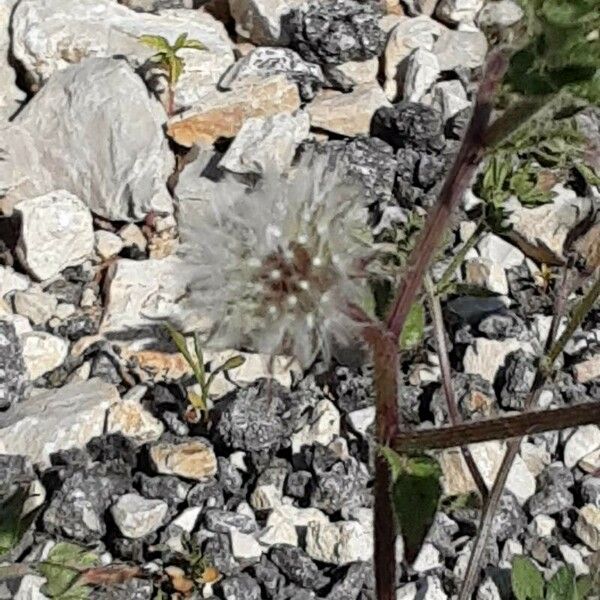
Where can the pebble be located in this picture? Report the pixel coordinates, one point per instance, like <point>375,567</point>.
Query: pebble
<point>43,352</point>
<point>35,304</point>
<point>136,516</point>
<point>542,526</point>
<point>485,357</point>
<point>107,244</point>
<point>458,11</point>
<point>587,526</point>
<point>346,114</point>
<point>422,71</point>
<point>322,427</point>
<point>13,374</point>
<point>338,543</point>
<point>582,442</point>
<point>192,460</point>
<point>131,419</point>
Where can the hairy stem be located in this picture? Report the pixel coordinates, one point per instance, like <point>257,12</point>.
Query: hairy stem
<point>385,359</point>
<point>439,334</point>
<point>457,181</point>
<point>500,428</point>
<point>543,372</point>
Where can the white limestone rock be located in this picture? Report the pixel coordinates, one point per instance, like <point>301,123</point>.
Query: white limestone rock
<point>108,146</point>
<point>56,232</point>
<point>137,517</point>
<point>499,13</point>
<point>56,420</point>
<point>11,281</point>
<point>587,526</point>
<point>131,419</point>
<point>449,97</point>
<point>266,143</point>
<point>107,244</point>
<point>35,304</point>
<point>48,37</point>
<point>348,114</point>
<point>583,441</point>
<point>406,36</point>
<point>339,543</point>
<point>43,352</point>
<point>484,357</point>
<point>541,232</point>
<point>461,48</point>
<point>422,71</point>
<point>142,295</point>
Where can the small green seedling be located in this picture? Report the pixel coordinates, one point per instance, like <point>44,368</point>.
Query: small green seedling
<point>528,582</point>
<point>199,402</point>
<point>169,61</point>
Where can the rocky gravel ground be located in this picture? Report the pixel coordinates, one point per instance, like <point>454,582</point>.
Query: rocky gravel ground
<point>274,489</point>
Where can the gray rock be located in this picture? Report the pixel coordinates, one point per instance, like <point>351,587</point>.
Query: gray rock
<point>207,494</point>
<point>266,62</point>
<point>582,442</point>
<point>353,581</point>
<point>239,586</point>
<point>111,152</point>
<point>344,485</point>
<point>13,373</point>
<point>458,11</point>
<point>503,325</point>
<point>156,5</point>
<point>56,232</point>
<point>137,517</point>
<point>590,490</point>
<point>49,38</point>
<point>551,499</point>
<point>257,419</point>
<point>56,419</point>
<point>224,521</point>
<point>510,519</point>
<point>409,125</point>
<point>519,373</point>
<point>14,469</point>
<point>77,509</point>
<point>168,488</point>
<point>335,32</point>
<point>297,566</point>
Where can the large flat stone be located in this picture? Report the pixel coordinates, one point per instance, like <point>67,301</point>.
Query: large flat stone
<point>94,131</point>
<point>56,420</point>
<point>50,36</point>
<point>143,295</point>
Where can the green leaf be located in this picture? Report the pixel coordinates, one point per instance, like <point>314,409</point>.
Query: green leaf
<point>194,45</point>
<point>562,585</point>
<point>62,570</point>
<point>527,582</point>
<point>394,461</point>
<point>584,586</point>
<point>13,524</point>
<point>416,494</point>
<point>156,42</point>
<point>231,363</point>
<point>180,41</point>
<point>414,327</point>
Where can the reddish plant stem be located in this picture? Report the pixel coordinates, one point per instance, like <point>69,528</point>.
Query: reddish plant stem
<point>457,181</point>
<point>385,344</point>
<point>385,358</point>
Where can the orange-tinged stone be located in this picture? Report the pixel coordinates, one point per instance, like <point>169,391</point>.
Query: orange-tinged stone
<point>222,114</point>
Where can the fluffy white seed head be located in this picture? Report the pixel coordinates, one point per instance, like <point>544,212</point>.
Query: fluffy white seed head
<point>277,265</point>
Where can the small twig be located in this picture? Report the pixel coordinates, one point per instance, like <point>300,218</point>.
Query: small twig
<point>498,428</point>
<point>439,333</point>
<point>544,370</point>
